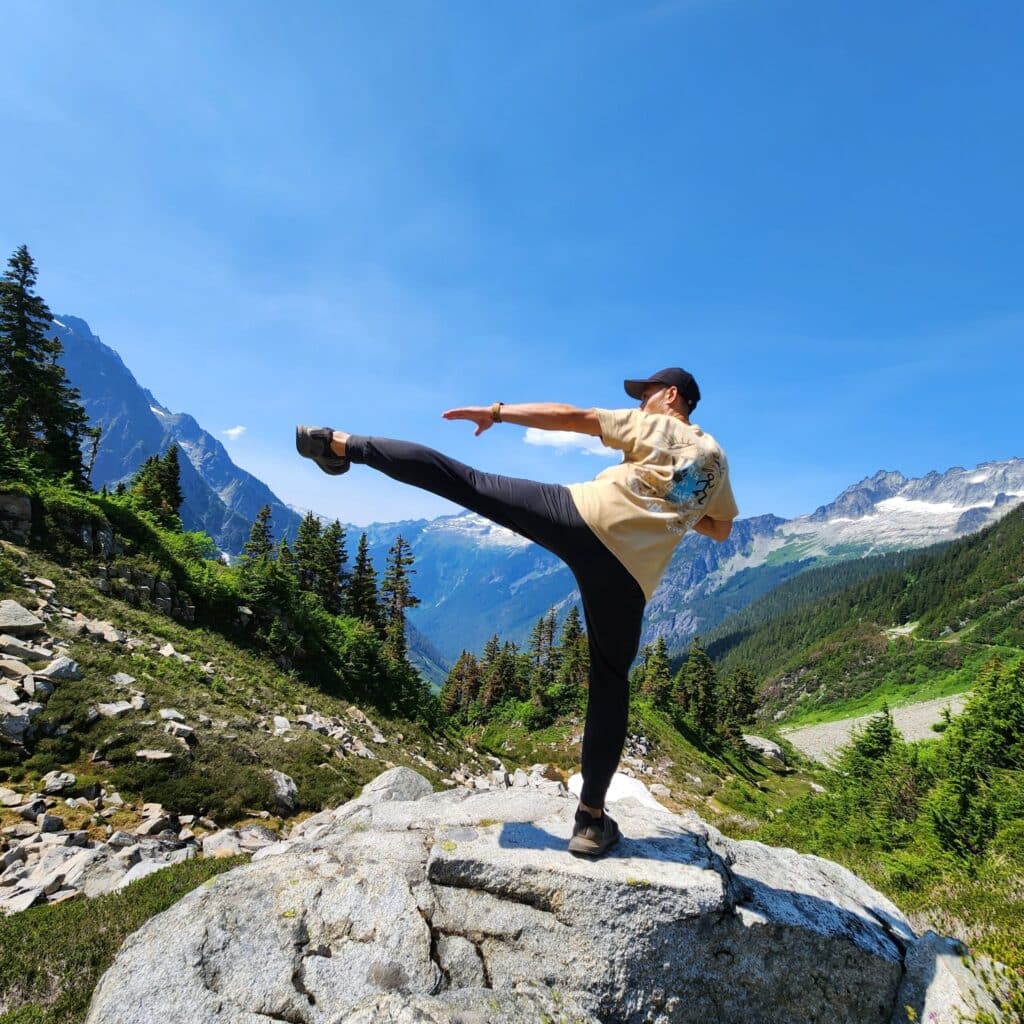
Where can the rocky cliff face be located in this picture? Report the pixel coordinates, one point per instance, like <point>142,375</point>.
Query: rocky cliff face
<point>408,905</point>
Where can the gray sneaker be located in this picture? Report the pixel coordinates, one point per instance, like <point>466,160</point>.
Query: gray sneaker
<point>315,443</point>
<point>593,836</point>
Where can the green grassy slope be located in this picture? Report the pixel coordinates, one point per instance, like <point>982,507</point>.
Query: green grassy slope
<point>913,631</point>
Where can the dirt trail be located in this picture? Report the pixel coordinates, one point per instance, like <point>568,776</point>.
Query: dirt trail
<point>914,721</point>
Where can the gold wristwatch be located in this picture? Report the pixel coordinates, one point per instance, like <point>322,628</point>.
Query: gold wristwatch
<point>496,411</point>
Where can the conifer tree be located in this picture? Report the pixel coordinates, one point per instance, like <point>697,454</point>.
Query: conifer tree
<point>39,410</point>
<point>738,699</point>
<point>697,690</point>
<point>93,434</point>
<point>308,558</point>
<point>456,691</point>
<point>330,567</point>
<point>657,683</point>
<point>157,488</point>
<point>550,632</point>
<point>169,475</point>
<point>361,600</point>
<point>499,682</point>
<point>396,595</point>
<point>260,544</point>
<point>490,652</point>
<point>574,652</point>
<point>285,559</point>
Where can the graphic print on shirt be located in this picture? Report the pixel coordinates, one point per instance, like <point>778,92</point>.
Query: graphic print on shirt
<point>694,479</point>
<point>692,485</point>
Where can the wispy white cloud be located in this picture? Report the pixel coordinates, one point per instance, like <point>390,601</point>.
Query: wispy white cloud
<point>233,433</point>
<point>567,441</point>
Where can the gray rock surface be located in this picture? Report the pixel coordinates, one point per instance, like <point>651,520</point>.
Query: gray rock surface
<point>18,621</point>
<point>61,668</point>
<point>769,748</point>
<point>408,905</point>
<point>286,793</point>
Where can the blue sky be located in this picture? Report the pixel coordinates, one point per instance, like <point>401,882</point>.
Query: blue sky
<point>364,214</point>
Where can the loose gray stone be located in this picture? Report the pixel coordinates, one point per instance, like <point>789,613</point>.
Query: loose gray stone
<point>21,900</point>
<point>226,843</point>
<point>50,823</point>
<point>22,649</point>
<point>154,755</point>
<point>12,669</point>
<point>769,748</point>
<point>116,709</point>
<point>181,732</point>
<point>18,621</point>
<point>286,793</point>
<point>8,798</point>
<point>396,784</point>
<point>9,695</point>
<point>57,782</point>
<point>61,668</point>
<point>171,715</point>
<point>140,870</point>
<point>122,679</point>
<point>41,689</point>
<point>14,721</point>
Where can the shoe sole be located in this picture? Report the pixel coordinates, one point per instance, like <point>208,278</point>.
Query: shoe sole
<point>310,447</point>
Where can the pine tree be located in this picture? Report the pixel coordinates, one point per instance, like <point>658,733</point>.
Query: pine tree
<point>260,544</point>
<point>308,559</point>
<point>490,653</point>
<point>93,434</point>
<point>157,489</point>
<point>499,682</point>
<point>657,683</point>
<point>361,600</point>
<point>738,700</point>
<point>540,647</point>
<point>397,595</point>
<point>39,410</point>
<point>697,691</point>
<point>330,567</point>
<point>285,559</point>
<point>553,653</point>
<point>462,687</point>
<point>169,475</point>
<point>574,659</point>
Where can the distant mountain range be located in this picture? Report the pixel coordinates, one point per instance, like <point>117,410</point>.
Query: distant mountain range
<point>475,579</point>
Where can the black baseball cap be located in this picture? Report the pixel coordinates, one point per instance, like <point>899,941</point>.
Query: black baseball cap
<point>683,381</point>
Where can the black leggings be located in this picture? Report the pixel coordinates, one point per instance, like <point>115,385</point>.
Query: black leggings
<point>613,603</point>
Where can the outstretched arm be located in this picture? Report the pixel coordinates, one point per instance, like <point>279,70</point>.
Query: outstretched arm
<point>542,415</point>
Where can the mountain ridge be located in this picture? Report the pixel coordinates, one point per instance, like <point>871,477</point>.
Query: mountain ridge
<point>474,578</point>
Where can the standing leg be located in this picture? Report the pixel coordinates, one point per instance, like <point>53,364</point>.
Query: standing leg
<point>613,605</point>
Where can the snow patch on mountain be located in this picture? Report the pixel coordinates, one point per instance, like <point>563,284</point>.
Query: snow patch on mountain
<point>474,528</point>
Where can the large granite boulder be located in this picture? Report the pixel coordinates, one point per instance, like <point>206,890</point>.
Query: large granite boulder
<point>407,905</point>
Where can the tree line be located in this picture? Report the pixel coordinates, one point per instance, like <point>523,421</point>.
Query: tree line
<point>548,677</point>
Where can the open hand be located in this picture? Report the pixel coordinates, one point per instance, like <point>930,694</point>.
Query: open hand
<point>478,414</point>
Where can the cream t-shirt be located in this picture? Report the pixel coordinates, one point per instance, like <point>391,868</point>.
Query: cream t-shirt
<point>672,474</point>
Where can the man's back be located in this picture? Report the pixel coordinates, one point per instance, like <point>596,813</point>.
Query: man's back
<point>673,474</point>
